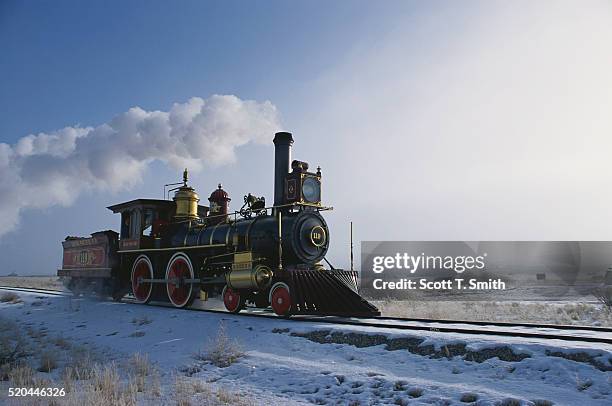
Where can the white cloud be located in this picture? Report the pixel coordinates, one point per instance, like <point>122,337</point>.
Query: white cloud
<point>55,168</point>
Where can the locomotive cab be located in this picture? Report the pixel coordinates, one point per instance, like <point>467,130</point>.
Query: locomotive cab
<point>142,221</point>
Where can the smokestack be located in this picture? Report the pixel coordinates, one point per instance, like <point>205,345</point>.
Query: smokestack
<point>282,159</point>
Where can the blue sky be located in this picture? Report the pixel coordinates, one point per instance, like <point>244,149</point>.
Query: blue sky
<point>432,120</point>
<point>82,62</point>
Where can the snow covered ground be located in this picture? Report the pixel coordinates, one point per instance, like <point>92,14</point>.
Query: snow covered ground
<point>286,362</point>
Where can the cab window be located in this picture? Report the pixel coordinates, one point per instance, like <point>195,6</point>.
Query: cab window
<point>125,225</point>
<point>148,222</point>
<point>134,223</point>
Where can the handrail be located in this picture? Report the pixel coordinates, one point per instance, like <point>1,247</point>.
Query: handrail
<point>167,195</point>
<point>235,213</point>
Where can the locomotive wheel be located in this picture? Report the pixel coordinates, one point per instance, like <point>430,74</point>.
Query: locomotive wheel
<point>179,268</point>
<point>142,269</point>
<point>232,300</point>
<point>280,299</point>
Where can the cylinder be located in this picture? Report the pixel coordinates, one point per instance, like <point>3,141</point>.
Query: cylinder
<point>253,279</point>
<point>282,160</point>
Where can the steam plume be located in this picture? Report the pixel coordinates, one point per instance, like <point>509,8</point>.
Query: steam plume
<point>55,168</point>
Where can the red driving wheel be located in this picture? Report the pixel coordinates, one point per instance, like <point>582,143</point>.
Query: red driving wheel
<point>142,269</point>
<point>280,298</point>
<point>232,300</point>
<point>178,270</point>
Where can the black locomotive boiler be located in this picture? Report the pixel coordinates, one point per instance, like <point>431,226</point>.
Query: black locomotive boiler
<point>176,250</point>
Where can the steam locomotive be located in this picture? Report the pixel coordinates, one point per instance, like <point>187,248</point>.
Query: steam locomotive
<point>177,250</point>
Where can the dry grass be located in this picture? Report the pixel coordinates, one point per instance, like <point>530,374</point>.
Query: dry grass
<point>80,364</point>
<point>415,392</point>
<point>34,282</point>
<point>141,321</point>
<point>510,402</point>
<point>604,296</point>
<point>140,368</point>
<point>226,397</point>
<point>531,312</point>
<point>61,342</point>
<point>106,379</point>
<point>192,391</point>
<point>469,397</point>
<point>4,371</point>
<point>583,383</point>
<point>48,361</point>
<point>12,354</point>
<point>21,376</point>
<point>91,382</point>
<point>155,384</point>
<point>222,350</point>
<point>10,297</point>
<point>87,381</point>
<point>104,388</point>
<point>140,364</point>
<point>183,391</point>
<point>36,334</point>
<point>67,379</point>
<point>13,348</point>
<point>542,402</point>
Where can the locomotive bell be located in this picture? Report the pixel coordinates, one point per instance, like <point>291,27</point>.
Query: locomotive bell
<point>186,201</point>
<point>219,205</point>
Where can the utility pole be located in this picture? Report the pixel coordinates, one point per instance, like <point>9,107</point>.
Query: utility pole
<point>352,246</point>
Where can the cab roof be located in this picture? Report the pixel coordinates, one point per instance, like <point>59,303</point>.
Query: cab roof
<point>146,203</point>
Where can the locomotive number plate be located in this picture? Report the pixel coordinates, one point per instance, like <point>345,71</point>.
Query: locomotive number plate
<point>317,236</point>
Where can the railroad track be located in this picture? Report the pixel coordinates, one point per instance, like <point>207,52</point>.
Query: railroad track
<point>575,333</point>
<point>33,290</point>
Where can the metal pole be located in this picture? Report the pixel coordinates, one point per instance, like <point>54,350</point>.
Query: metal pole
<point>170,184</point>
<point>280,240</point>
<point>351,245</point>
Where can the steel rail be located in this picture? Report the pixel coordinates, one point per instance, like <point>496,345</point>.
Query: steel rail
<point>458,330</point>
<point>499,323</point>
<point>36,290</point>
<point>354,322</point>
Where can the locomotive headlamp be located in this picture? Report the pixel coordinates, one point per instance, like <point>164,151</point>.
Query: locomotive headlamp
<point>303,187</point>
<point>311,190</point>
